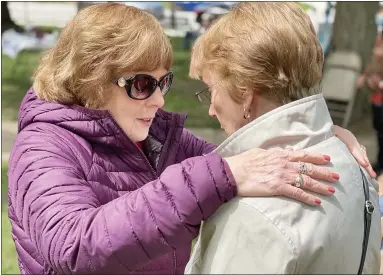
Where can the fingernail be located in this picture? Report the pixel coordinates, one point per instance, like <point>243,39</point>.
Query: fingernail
<point>335,176</point>
<point>331,189</point>
<point>318,201</point>
<point>326,157</point>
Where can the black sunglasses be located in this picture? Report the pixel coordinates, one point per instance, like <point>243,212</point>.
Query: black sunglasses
<point>142,86</point>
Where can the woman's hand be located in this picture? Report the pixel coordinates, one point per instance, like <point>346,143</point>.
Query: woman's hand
<point>358,152</point>
<point>275,172</point>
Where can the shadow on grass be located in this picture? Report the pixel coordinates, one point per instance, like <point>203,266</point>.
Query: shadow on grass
<point>9,259</point>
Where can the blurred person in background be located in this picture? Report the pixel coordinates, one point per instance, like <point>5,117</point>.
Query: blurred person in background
<point>263,71</point>
<point>373,76</point>
<point>205,20</point>
<point>102,180</point>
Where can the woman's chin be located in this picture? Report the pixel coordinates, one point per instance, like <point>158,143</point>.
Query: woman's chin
<point>225,130</point>
<point>139,136</point>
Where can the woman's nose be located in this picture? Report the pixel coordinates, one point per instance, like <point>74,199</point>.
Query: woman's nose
<point>157,98</point>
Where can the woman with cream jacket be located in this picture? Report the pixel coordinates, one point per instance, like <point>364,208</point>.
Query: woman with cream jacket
<point>262,63</point>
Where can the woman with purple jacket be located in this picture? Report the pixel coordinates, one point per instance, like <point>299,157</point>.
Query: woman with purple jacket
<point>101,180</point>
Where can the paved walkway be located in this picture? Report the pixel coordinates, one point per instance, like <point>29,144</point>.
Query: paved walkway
<point>362,130</point>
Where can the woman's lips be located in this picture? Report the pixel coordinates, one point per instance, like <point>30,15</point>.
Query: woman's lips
<point>145,121</point>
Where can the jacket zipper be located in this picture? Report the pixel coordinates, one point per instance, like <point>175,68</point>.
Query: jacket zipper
<point>174,261</point>
<point>154,174</point>
<point>164,148</point>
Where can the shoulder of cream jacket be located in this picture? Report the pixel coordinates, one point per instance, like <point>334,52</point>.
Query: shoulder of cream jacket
<point>282,236</point>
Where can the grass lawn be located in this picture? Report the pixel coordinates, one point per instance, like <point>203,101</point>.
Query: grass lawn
<point>16,81</point>
<point>8,250</point>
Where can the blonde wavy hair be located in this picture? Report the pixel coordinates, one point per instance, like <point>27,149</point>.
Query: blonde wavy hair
<point>102,42</point>
<point>270,48</point>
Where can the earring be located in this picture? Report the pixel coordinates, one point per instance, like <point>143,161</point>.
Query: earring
<point>246,116</point>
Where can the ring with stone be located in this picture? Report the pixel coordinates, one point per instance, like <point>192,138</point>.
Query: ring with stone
<point>302,168</point>
<point>299,181</point>
<point>363,148</point>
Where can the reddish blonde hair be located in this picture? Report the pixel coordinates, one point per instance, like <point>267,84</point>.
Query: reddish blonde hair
<point>99,44</point>
<point>268,47</point>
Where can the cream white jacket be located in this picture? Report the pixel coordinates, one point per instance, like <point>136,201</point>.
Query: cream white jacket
<point>280,235</point>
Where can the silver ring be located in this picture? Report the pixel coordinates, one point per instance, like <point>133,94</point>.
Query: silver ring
<point>363,148</point>
<point>298,181</point>
<point>302,168</point>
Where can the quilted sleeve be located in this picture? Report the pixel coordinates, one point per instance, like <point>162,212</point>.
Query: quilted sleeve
<point>195,146</point>
<point>74,233</point>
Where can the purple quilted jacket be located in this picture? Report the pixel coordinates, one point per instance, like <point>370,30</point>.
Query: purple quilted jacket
<point>83,198</point>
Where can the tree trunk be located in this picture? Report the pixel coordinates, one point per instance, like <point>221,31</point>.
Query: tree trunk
<point>173,15</point>
<point>6,20</point>
<point>354,28</point>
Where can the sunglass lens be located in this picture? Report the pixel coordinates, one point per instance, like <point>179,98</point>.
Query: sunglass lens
<point>166,83</point>
<point>143,87</point>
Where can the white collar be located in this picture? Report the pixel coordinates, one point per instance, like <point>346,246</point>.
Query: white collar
<point>299,124</point>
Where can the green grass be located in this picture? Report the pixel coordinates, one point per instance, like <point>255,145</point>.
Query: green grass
<point>17,73</point>
<point>181,97</point>
<point>9,259</point>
